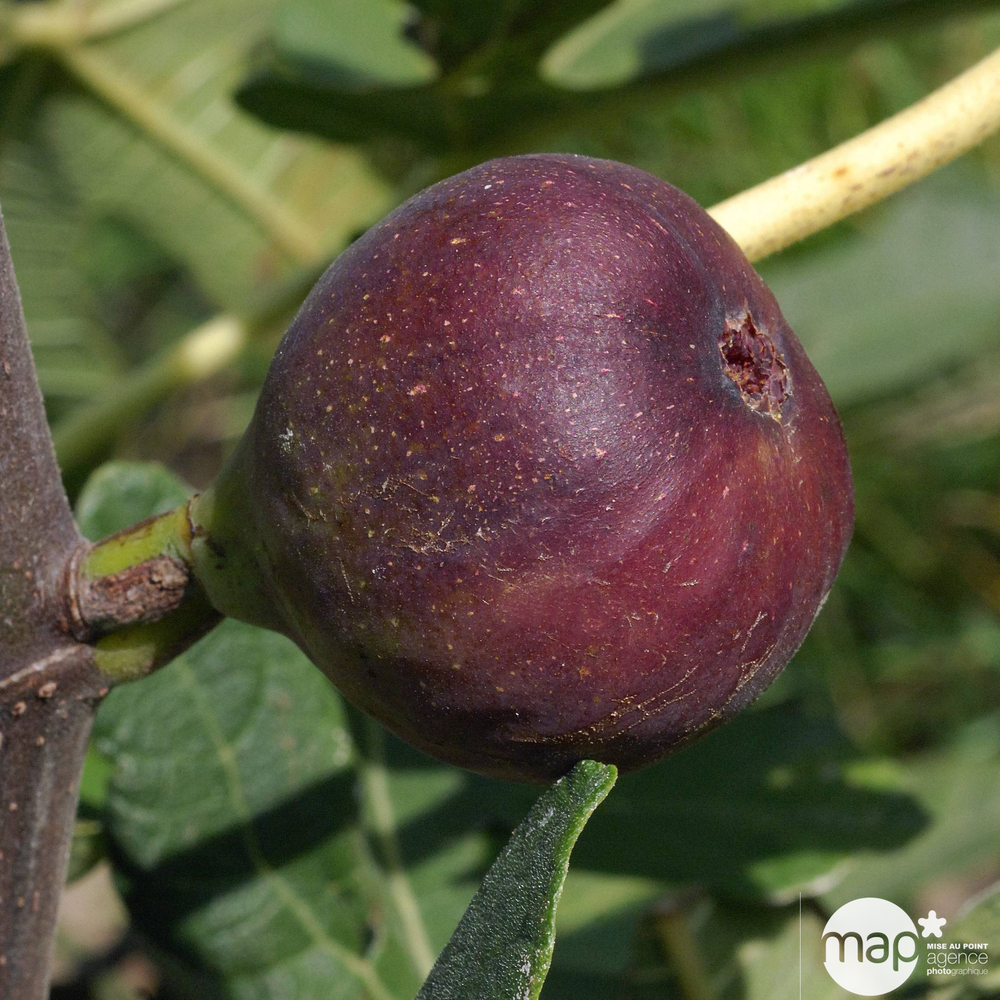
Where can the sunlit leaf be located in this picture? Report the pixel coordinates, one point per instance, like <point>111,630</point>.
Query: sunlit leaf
<point>635,39</point>
<point>149,133</point>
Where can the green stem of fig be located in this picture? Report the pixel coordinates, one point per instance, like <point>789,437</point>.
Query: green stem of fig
<point>134,598</point>
<point>167,535</point>
<point>142,596</point>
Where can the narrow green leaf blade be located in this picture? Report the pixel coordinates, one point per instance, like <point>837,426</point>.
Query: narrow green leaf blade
<point>502,947</point>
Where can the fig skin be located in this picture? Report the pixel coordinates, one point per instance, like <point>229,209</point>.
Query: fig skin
<point>539,473</point>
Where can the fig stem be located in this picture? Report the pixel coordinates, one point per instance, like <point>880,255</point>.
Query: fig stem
<point>166,535</point>
<point>871,166</point>
<point>137,650</point>
<point>132,596</point>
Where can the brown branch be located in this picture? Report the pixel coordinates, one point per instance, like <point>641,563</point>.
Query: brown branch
<point>49,686</point>
<point>37,532</point>
<point>46,711</point>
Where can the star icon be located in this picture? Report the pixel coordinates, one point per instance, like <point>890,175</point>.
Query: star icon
<point>931,924</point>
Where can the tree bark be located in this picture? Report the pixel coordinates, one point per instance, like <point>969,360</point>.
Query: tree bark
<point>49,687</point>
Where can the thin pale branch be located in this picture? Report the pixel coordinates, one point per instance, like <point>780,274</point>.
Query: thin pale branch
<point>197,356</point>
<point>65,22</point>
<point>867,168</point>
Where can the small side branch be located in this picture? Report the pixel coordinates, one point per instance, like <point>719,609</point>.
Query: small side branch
<point>136,595</point>
<point>137,576</point>
<point>134,599</point>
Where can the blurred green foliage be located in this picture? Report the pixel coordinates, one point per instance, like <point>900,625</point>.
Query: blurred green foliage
<point>175,159</point>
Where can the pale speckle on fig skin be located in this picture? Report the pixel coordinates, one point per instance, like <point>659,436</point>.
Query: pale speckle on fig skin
<point>524,457</point>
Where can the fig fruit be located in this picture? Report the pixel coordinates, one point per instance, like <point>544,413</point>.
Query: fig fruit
<point>538,473</point>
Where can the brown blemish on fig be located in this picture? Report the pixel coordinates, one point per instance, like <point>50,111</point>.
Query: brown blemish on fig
<point>751,360</point>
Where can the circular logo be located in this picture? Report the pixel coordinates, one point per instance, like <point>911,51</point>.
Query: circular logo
<point>870,946</point>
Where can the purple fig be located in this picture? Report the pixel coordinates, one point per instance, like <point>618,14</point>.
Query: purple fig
<point>539,473</point>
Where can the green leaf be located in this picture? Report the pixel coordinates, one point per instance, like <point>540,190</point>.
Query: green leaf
<point>242,849</point>
<point>977,923</point>
<point>150,135</point>
<point>236,828</point>
<point>694,947</point>
<point>503,945</point>
<point>979,920</point>
<point>786,964</point>
<point>958,788</point>
<point>359,44</point>
<point>74,356</point>
<point>461,33</point>
<point>690,946</point>
<point>614,45</point>
<point>131,129</point>
<point>634,39</point>
<point>488,86</point>
<point>600,917</point>
<point>120,494</point>
<point>514,75</point>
